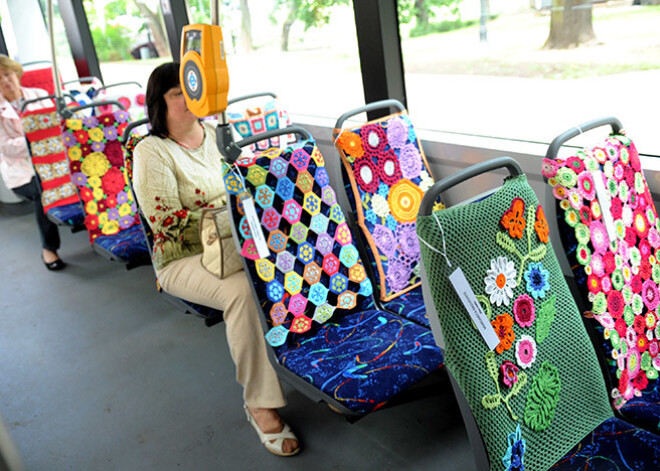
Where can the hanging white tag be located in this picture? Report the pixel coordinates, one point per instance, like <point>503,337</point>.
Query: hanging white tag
<point>474,309</point>
<point>605,203</point>
<point>255,226</point>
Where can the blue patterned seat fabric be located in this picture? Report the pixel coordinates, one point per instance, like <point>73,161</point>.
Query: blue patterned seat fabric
<point>359,356</point>
<point>69,214</point>
<point>613,446</point>
<point>644,410</point>
<point>127,245</point>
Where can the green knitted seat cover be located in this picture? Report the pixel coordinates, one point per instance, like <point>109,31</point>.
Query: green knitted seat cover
<point>543,377</point>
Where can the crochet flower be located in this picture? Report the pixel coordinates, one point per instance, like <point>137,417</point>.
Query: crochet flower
<point>514,459</point>
<point>650,294</point>
<point>114,154</point>
<point>351,144</point>
<point>549,168</point>
<point>95,134</point>
<point>110,133</point>
<point>107,119</point>
<point>74,124</point>
<point>380,206</point>
<point>410,161</point>
<point>388,168</point>
<point>503,326</point>
<point>404,200</point>
<point>541,226</point>
<point>500,281</point>
<point>525,351</point>
<point>121,116</point>
<point>575,164</point>
<point>599,237</point>
<point>366,174</point>
<point>373,138</point>
<point>513,219</point>
<point>113,181</point>
<point>566,177</point>
<point>79,178</point>
<point>90,121</point>
<point>398,275</point>
<point>384,239</point>
<point>126,221</point>
<point>97,146</point>
<point>615,303</point>
<point>509,373</point>
<point>95,165</point>
<point>110,228</point>
<point>524,311</point>
<point>74,153</point>
<point>81,136</point>
<point>406,236</point>
<point>397,132</point>
<point>537,279</point>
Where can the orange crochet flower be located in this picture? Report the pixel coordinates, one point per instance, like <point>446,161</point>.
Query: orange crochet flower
<point>541,225</point>
<point>351,144</point>
<point>514,219</point>
<point>503,325</point>
<point>404,200</point>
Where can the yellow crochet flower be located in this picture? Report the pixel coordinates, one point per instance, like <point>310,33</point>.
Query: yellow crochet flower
<point>98,193</point>
<point>124,209</point>
<point>103,218</point>
<point>94,182</point>
<point>74,124</point>
<point>95,134</point>
<point>95,165</point>
<point>91,207</point>
<point>404,199</point>
<point>110,228</point>
<point>74,153</point>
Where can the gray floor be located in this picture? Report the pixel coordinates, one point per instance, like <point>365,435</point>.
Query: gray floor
<point>98,372</point>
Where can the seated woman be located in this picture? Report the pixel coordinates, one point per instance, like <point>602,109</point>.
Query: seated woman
<point>177,172</point>
<point>15,166</point>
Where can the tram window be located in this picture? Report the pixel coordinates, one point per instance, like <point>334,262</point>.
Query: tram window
<point>65,63</point>
<point>308,57</point>
<point>127,43</point>
<point>512,87</point>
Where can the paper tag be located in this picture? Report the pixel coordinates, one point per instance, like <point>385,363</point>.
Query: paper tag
<point>474,309</point>
<point>255,226</point>
<point>605,204</point>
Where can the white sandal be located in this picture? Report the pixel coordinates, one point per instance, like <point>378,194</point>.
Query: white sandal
<point>273,442</point>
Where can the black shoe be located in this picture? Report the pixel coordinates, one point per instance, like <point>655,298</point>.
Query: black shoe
<point>56,265</point>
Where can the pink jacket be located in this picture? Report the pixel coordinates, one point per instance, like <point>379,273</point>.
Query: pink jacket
<point>15,165</point>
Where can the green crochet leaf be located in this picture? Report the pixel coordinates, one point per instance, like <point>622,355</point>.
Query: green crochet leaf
<point>538,253</point>
<point>544,317</point>
<point>505,242</point>
<point>491,401</point>
<point>542,398</point>
<point>521,383</point>
<point>531,219</point>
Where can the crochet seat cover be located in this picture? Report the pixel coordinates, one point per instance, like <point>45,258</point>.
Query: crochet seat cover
<point>619,278</point>
<point>129,146</point>
<point>386,175</point>
<point>96,162</point>
<point>43,133</point>
<point>312,287</point>
<point>268,117</point>
<point>542,382</point>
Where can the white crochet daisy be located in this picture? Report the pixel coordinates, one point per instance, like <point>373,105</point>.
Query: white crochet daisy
<point>500,281</point>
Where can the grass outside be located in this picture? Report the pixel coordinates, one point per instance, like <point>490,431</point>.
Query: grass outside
<point>627,39</point>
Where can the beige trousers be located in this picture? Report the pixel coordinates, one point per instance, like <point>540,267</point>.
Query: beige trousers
<point>186,278</point>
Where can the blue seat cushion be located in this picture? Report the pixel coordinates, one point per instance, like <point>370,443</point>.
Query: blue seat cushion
<point>614,445</point>
<point>362,359</point>
<point>204,311</point>
<point>411,306</point>
<point>127,245</point>
<point>68,214</point>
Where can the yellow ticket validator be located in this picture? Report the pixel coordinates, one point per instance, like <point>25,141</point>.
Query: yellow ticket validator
<point>204,75</point>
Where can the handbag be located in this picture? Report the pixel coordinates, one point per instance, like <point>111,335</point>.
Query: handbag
<point>220,256</point>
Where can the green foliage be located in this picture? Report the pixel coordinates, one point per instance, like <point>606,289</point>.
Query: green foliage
<point>113,44</point>
<point>309,12</point>
<point>544,317</point>
<point>441,27</point>
<point>420,9</point>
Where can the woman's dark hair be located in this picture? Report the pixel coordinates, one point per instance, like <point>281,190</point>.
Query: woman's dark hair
<point>163,78</point>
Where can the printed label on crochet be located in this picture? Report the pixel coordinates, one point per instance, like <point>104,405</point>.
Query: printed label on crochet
<point>474,309</point>
<point>255,226</point>
<point>605,204</point>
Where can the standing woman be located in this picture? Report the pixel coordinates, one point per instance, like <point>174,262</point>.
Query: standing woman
<point>15,166</point>
<point>178,172</point>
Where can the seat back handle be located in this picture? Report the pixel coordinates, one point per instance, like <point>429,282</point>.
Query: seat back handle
<point>564,137</point>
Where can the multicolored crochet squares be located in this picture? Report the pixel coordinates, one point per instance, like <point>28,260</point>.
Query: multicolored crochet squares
<point>44,135</point>
<point>261,119</point>
<point>622,273</point>
<point>388,174</point>
<point>312,268</point>
<point>97,168</point>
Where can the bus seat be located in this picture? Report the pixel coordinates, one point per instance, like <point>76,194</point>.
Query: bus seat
<point>131,139</point>
<point>385,175</point>
<point>129,94</point>
<point>266,114</point>
<point>48,156</point>
<point>532,382</point>
<point>325,335</point>
<point>617,279</point>
<point>96,162</point>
